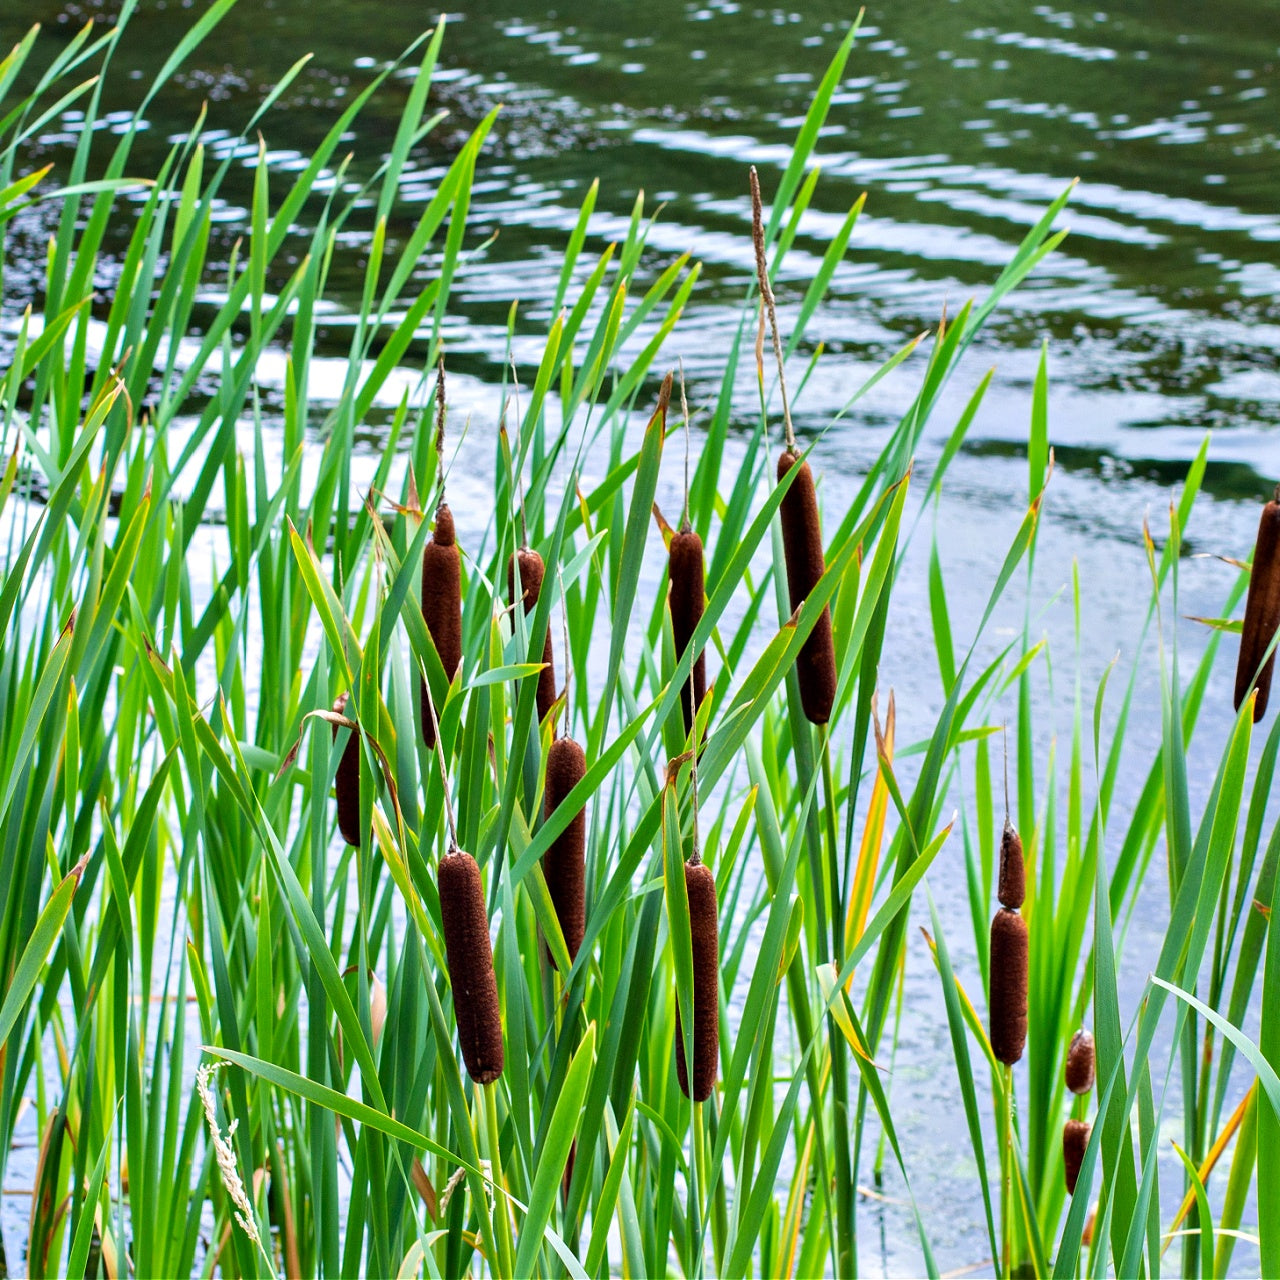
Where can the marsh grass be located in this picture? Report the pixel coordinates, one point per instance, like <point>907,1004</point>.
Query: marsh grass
<point>176,897</point>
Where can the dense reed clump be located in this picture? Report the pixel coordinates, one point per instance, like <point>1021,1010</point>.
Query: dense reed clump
<point>442,604</point>
<point>532,573</point>
<point>469,953</point>
<point>564,863</point>
<point>1075,1138</point>
<point>700,885</point>
<point>687,598</point>
<point>1261,612</point>
<point>1081,1063</point>
<point>1009,962</point>
<point>346,782</point>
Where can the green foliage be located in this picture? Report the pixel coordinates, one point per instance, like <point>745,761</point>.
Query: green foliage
<point>186,592</point>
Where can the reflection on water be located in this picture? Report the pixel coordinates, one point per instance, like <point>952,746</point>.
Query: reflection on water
<point>961,121</point>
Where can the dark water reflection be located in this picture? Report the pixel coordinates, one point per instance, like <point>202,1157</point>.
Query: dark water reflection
<point>961,120</point>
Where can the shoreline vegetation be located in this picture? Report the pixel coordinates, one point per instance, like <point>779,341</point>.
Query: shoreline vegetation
<point>266,1014</point>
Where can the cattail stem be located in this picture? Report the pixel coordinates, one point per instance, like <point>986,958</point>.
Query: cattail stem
<point>687,598</point>
<point>469,954</point>
<point>505,1243</point>
<point>766,293</point>
<point>564,863</point>
<point>532,572</point>
<point>441,605</point>
<point>1261,613</point>
<point>805,562</point>
<point>1008,982</point>
<point>700,888</point>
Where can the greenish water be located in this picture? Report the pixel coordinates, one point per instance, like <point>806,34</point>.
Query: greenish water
<point>961,121</point>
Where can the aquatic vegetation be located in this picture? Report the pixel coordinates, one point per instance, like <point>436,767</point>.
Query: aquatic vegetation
<point>644,1025</point>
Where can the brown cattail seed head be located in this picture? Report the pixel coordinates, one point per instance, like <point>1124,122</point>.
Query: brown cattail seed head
<point>442,605</point>
<point>1012,890</point>
<point>688,592</point>
<point>346,783</point>
<point>1075,1138</point>
<point>470,957</point>
<point>700,885</point>
<point>532,572</point>
<point>564,863</point>
<point>1081,1063</point>
<point>1261,612</point>
<point>1009,948</point>
<point>802,543</point>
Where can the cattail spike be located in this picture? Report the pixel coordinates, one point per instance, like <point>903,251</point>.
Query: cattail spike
<point>1075,1138</point>
<point>346,782</point>
<point>1261,612</point>
<point>564,863</point>
<point>532,573</point>
<point>1009,959</point>
<point>470,958</point>
<point>442,605</point>
<point>1012,890</point>
<point>802,543</point>
<point>1081,1063</point>
<point>688,595</point>
<point>700,885</point>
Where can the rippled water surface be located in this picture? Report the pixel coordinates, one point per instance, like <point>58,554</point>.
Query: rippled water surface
<point>961,121</point>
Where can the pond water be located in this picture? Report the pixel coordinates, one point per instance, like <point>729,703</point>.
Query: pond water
<point>961,120</point>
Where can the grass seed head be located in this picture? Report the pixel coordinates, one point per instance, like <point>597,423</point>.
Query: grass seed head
<point>1081,1063</point>
<point>700,885</point>
<point>802,543</point>
<point>1261,611</point>
<point>688,594</point>
<point>1012,890</point>
<point>1009,955</point>
<point>346,783</point>
<point>532,573</point>
<point>442,604</point>
<point>1075,1138</point>
<point>470,957</point>
<point>564,863</point>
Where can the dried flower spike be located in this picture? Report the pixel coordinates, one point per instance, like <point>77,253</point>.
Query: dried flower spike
<point>1075,1138</point>
<point>700,885</point>
<point>442,604</point>
<point>1081,1063</point>
<point>346,782</point>
<point>564,863</point>
<point>802,544</point>
<point>470,957</point>
<point>688,596</point>
<point>1009,957</point>
<point>1261,611</point>
<point>1012,890</point>
<point>532,572</point>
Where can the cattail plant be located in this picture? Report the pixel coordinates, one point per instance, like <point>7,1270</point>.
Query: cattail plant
<point>1009,958</point>
<point>801,525</point>
<point>1261,612</point>
<point>346,783</point>
<point>704,928</point>
<point>470,958</point>
<point>700,886</point>
<point>441,579</point>
<point>1012,886</point>
<point>1075,1138</point>
<point>1081,1063</point>
<point>564,863</point>
<point>468,949</point>
<point>688,592</point>
<point>532,573</point>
